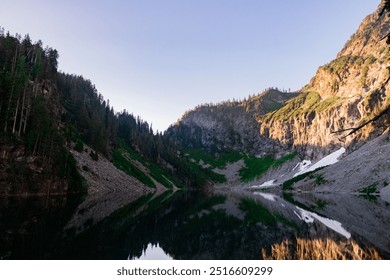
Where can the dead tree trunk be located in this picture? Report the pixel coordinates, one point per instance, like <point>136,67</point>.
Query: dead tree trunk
<point>22,112</point>
<point>15,116</point>
<point>355,129</point>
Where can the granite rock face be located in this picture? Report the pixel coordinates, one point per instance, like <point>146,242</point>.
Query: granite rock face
<point>345,93</point>
<point>230,125</point>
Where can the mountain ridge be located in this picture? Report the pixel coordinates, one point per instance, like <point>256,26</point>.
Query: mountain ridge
<point>343,94</point>
<point>229,125</point>
<point>346,104</point>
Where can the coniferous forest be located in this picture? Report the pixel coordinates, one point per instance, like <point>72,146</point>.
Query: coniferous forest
<point>45,113</point>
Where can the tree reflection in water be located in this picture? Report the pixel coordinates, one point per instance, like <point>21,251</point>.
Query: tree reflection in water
<point>319,249</point>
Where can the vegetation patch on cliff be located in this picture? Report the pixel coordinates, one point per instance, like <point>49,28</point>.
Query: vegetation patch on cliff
<point>217,161</point>
<point>129,161</point>
<point>123,163</point>
<point>254,167</point>
<point>370,190</point>
<point>288,185</point>
<point>297,106</point>
<point>305,104</point>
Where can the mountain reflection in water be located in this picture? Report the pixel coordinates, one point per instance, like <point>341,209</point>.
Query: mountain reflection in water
<point>222,225</point>
<point>153,252</point>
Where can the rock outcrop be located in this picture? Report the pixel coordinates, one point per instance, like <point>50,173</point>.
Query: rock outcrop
<point>344,94</point>
<point>229,125</point>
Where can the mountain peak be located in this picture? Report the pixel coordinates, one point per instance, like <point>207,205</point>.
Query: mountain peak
<point>372,32</point>
<point>344,94</point>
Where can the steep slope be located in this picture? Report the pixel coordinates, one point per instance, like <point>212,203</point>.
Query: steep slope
<point>365,171</point>
<point>229,125</point>
<point>48,121</point>
<point>33,157</point>
<point>345,94</point>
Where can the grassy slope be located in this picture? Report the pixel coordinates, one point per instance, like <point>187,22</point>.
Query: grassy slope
<point>198,156</point>
<point>305,103</point>
<point>257,166</point>
<point>125,159</point>
<point>254,167</point>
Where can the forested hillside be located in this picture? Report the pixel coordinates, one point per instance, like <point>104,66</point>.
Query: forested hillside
<point>33,155</point>
<point>44,114</point>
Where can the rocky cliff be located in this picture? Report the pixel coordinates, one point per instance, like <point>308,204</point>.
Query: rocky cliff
<point>229,125</point>
<point>346,102</point>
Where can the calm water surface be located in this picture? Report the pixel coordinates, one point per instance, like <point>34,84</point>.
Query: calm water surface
<point>186,225</point>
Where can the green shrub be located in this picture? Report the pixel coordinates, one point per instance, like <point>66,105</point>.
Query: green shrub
<point>287,185</point>
<point>320,180</point>
<point>371,189</point>
<point>79,146</point>
<point>320,204</point>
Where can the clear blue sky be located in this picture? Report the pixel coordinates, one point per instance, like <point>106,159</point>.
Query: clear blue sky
<point>159,58</point>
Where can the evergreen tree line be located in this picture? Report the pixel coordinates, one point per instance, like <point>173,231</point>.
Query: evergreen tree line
<point>43,111</point>
<point>90,118</point>
<point>28,121</point>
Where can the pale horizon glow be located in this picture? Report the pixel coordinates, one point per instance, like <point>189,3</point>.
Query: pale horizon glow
<point>158,59</point>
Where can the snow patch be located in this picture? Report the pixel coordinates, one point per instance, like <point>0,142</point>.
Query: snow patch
<point>305,216</point>
<point>301,166</point>
<point>309,217</point>
<point>264,185</point>
<point>267,196</point>
<point>328,160</point>
<point>268,183</point>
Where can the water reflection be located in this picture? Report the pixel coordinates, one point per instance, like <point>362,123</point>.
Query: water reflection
<point>32,227</point>
<point>153,252</point>
<point>238,225</point>
<point>221,225</point>
<point>319,249</point>
<point>308,216</point>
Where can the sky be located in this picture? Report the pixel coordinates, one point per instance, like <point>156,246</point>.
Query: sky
<point>160,58</point>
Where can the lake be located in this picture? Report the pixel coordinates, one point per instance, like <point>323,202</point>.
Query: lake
<point>188,225</point>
